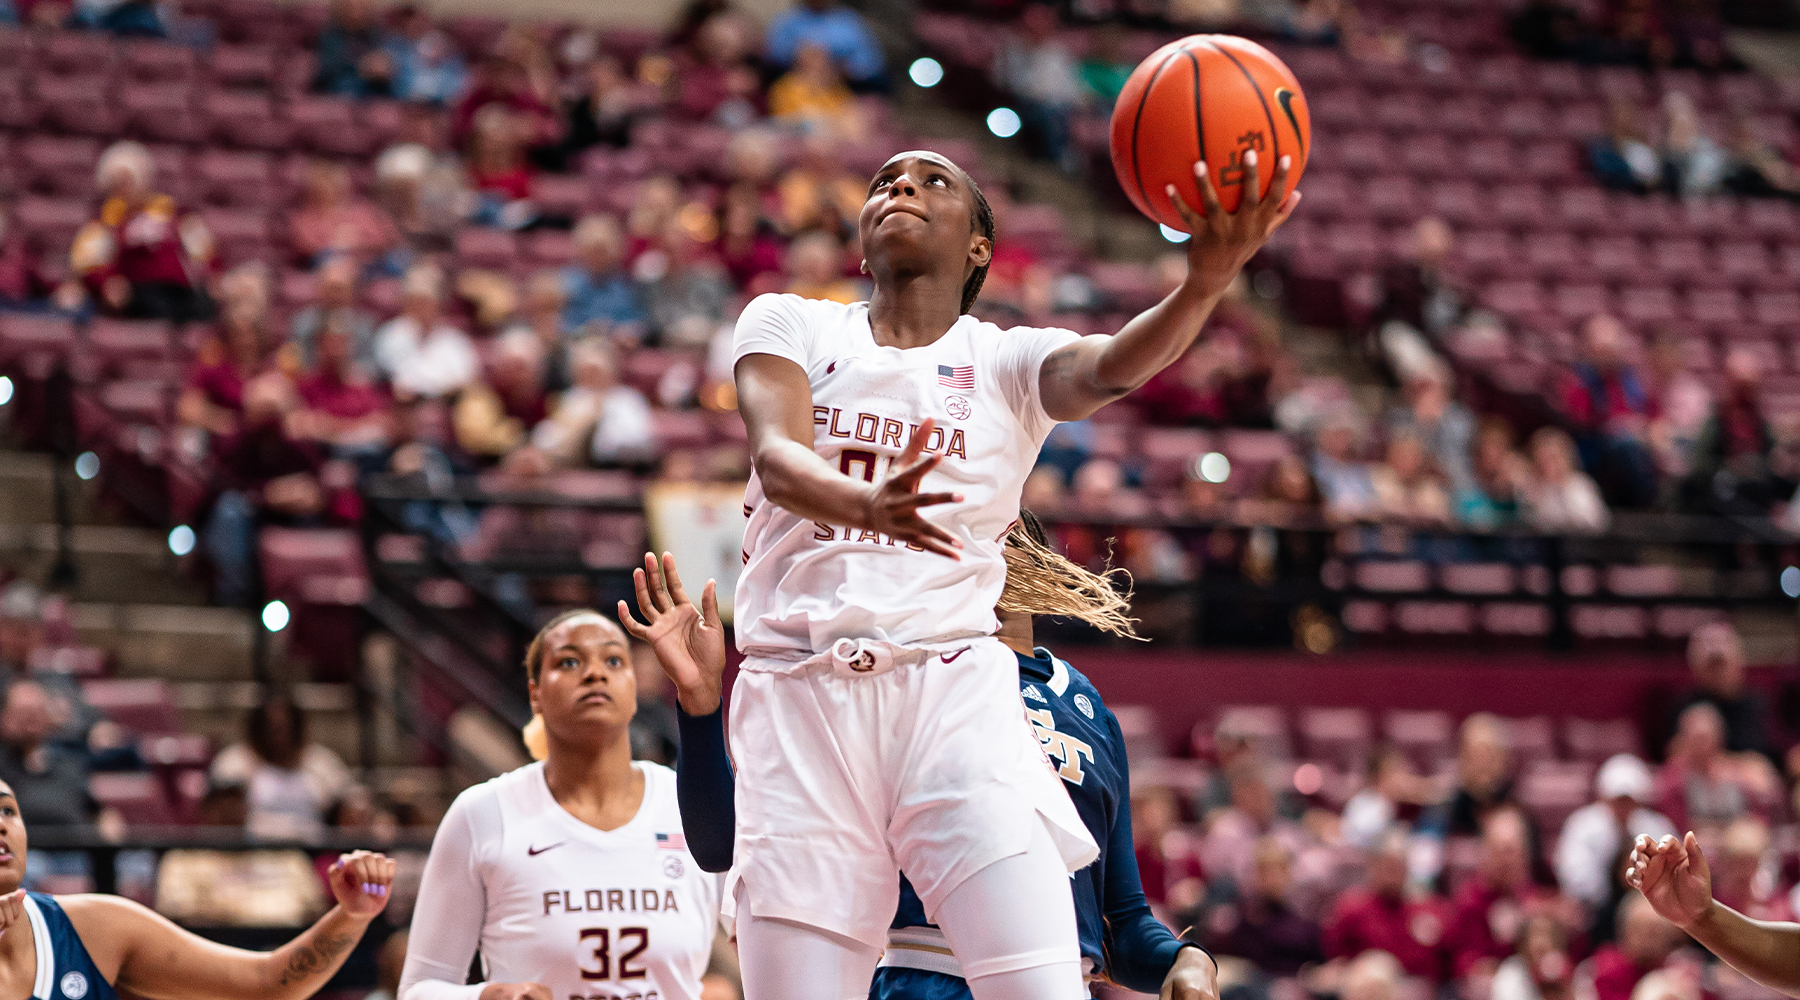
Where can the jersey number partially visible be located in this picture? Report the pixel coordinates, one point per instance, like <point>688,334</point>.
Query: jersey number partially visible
<point>851,457</point>
<point>602,953</point>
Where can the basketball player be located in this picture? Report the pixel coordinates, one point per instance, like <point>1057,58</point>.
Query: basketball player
<point>1120,939</point>
<point>571,876</point>
<point>876,725</point>
<point>1674,876</point>
<point>87,946</point>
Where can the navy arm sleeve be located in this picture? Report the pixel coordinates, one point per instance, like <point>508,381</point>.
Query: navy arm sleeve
<point>1140,951</point>
<point>704,789</point>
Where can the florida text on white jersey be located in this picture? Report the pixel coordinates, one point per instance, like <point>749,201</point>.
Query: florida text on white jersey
<point>624,914</point>
<point>806,584</point>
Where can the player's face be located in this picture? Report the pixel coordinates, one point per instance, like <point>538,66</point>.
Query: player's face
<point>585,679</point>
<point>919,215</point>
<point>12,841</point>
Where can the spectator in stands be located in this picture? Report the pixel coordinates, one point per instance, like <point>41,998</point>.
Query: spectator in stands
<point>1232,833</point>
<point>813,96</point>
<point>498,170</point>
<point>1548,29</point>
<point>1392,794</point>
<point>1488,914</point>
<point>1261,925</point>
<point>343,406</point>
<point>424,194</point>
<point>1444,426</point>
<point>1484,780</point>
<point>1642,942</point>
<point>1557,496</point>
<point>1038,69</point>
<point>686,289</point>
<point>1408,489</point>
<point>1757,168</point>
<point>1693,164</point>
<point>1702,785</point>
<point>1344,479</point>
<point>494,417</point>
<point>142,256</point>
<point>422,353</point>
<point>352,61</point>
<point>130,18</point>
<point>1598,834</point>
<point>1104,68</point>
<point>1173,879</point>
<point>1190,392</point>
<point>213,398</point>
<point>747,242</point>
<point>1733,457</point>
<point>1541,968</point>
<point>426,64</point>
<point>815,267</point>
<point>603,112</point>
<point>1381,915</point>
<point>597,420</point>
<point>505,80</point>
<point>207,888</point>
<point>1606,399</point>
<point>654,207</point>
<point>333,220</point>
<point>1683,404</point>
<point>655,731</point>
<point>23,280</point>
<point>1715,656</point>
<point>715,80</point>
<point>48,778</point>
<point>602,299</point>
<point>334,300</point>
<point>836,29</point>
<point>1497,474</point>
<point>289,780</point>
<point>21,625</point>
<point>1623,158</point>
<point>1739,879</point>
<point>1417,292</point>
<point>541,315</point>
<point>819,193</point>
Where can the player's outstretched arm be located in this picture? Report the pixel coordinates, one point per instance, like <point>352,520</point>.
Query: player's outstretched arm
<point>155,959</point>
<point>690,646</point>
<point>1673,875</point>
<point>775,400</point>
<point>1086,375</point>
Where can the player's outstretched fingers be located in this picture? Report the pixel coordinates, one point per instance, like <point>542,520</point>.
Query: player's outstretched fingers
<point>709,604</point>
<point>640,582</point>
<point>659,587</point>
<point>637,629</point>
<point>1193,220</point>
<point>677,593</point>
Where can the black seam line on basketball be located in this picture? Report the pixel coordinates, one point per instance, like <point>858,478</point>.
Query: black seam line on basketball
<point>1285,98</point>
<point>1137,120</point>
<point>1274,136</point>
<point>1199,119</point>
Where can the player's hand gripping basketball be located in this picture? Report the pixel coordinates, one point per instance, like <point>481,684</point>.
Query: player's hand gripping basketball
<point>1673,875</point>
<point>892,507</point>
<point>1225,241</point>
<point>361,881</point>
<point>689,641</point>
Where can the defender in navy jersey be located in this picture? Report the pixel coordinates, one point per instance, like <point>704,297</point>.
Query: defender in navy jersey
<point>1121,940</point>
<point>81,947</point>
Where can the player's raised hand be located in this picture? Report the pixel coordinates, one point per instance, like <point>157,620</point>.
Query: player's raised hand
<point>1225,241</point>
<point>893,506</point>
<point>516,991</point>
<point>12,911</point>
<point>1673,875</point>
<point>361,881</point>
<point>689,641</point>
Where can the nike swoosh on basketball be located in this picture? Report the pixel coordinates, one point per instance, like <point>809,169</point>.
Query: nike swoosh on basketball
<point>535,851</point>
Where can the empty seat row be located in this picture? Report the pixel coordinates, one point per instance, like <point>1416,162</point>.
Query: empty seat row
<point>1522,619</point>
<point>1339,734</point>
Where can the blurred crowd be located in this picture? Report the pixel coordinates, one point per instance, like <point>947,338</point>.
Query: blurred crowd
<point>1679,158</point>
<point>1423,877</point>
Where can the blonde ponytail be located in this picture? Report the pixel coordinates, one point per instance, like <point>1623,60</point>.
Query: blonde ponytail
<point>1040,581</point>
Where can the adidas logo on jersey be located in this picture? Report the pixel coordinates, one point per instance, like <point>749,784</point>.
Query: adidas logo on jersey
<point>1033,694</point>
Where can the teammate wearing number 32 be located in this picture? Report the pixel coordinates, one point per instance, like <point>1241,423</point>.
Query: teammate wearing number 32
<point>877,725</point>
<point>89,946</point>
<point>571,876</point>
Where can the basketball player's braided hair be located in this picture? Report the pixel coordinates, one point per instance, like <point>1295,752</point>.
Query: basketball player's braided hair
<point>1040,581</point>
<point>534,653</point>
<point>981,218</point>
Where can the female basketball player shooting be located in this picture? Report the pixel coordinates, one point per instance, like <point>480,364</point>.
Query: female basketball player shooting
<point>1120,939</point>
<point>571,875</point>
<point>876,723</point>
<point>83,947</point>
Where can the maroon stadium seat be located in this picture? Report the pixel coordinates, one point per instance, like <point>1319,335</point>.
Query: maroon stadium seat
<point>1592,740</point>
<point>1342,736</point>
<point>242,65</point>
<point>291,556</point>
<point>1519,205</point>
<point>163,111</point>
<point>18,107</point>
<point>1647,304</point>
<point>147,59</point>
<point>482,247</point>
<point>144,705</point>
<point>1550,791</point>
<point>71,661</point>
<point>246,118</point>
<point>329,125</point>
<point>1530,739</point>
<point>1515,618</point>
<point>1428,736</point>
<point>1578,302</point>
<point>83,105</point>
<point>1435,617</point>
<point>1714,305</point>
<point>240,179</point>
<point>1478,578</point>
<point>138,796</point>
<point>76,53</point>
<point>53,221</point>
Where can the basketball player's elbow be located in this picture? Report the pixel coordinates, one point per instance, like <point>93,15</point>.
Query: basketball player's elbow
<point>710,858</point>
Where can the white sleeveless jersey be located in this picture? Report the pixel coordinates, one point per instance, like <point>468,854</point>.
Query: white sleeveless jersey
<point>806,584</point>
<point>594,915</point>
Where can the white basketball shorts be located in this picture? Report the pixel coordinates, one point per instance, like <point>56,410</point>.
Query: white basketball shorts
<point>874,759</point>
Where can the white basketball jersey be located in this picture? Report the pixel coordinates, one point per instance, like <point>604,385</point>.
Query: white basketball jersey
<point>806,584</point>
<point>594,915</point>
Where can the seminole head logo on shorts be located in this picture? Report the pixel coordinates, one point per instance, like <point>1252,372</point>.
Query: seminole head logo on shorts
<point>863,662</point>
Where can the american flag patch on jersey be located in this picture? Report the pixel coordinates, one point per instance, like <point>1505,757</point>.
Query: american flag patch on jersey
<point>961,377</point>
<point>672,841</point>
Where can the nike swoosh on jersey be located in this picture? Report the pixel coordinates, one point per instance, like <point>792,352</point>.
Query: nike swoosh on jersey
<point>952,655</point>
<point>535,851</point>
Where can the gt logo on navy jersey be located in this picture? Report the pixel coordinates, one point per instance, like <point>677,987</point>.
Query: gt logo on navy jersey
<point>1066,750</point>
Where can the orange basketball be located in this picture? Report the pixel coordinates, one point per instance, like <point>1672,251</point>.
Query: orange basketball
<point>1212,98</point>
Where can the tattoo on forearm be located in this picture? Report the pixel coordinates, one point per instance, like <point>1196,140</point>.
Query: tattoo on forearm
<point>314,955</point>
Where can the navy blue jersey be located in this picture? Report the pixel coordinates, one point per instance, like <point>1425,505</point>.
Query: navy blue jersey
<point>1119,935</point>
<point>65,970</point>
